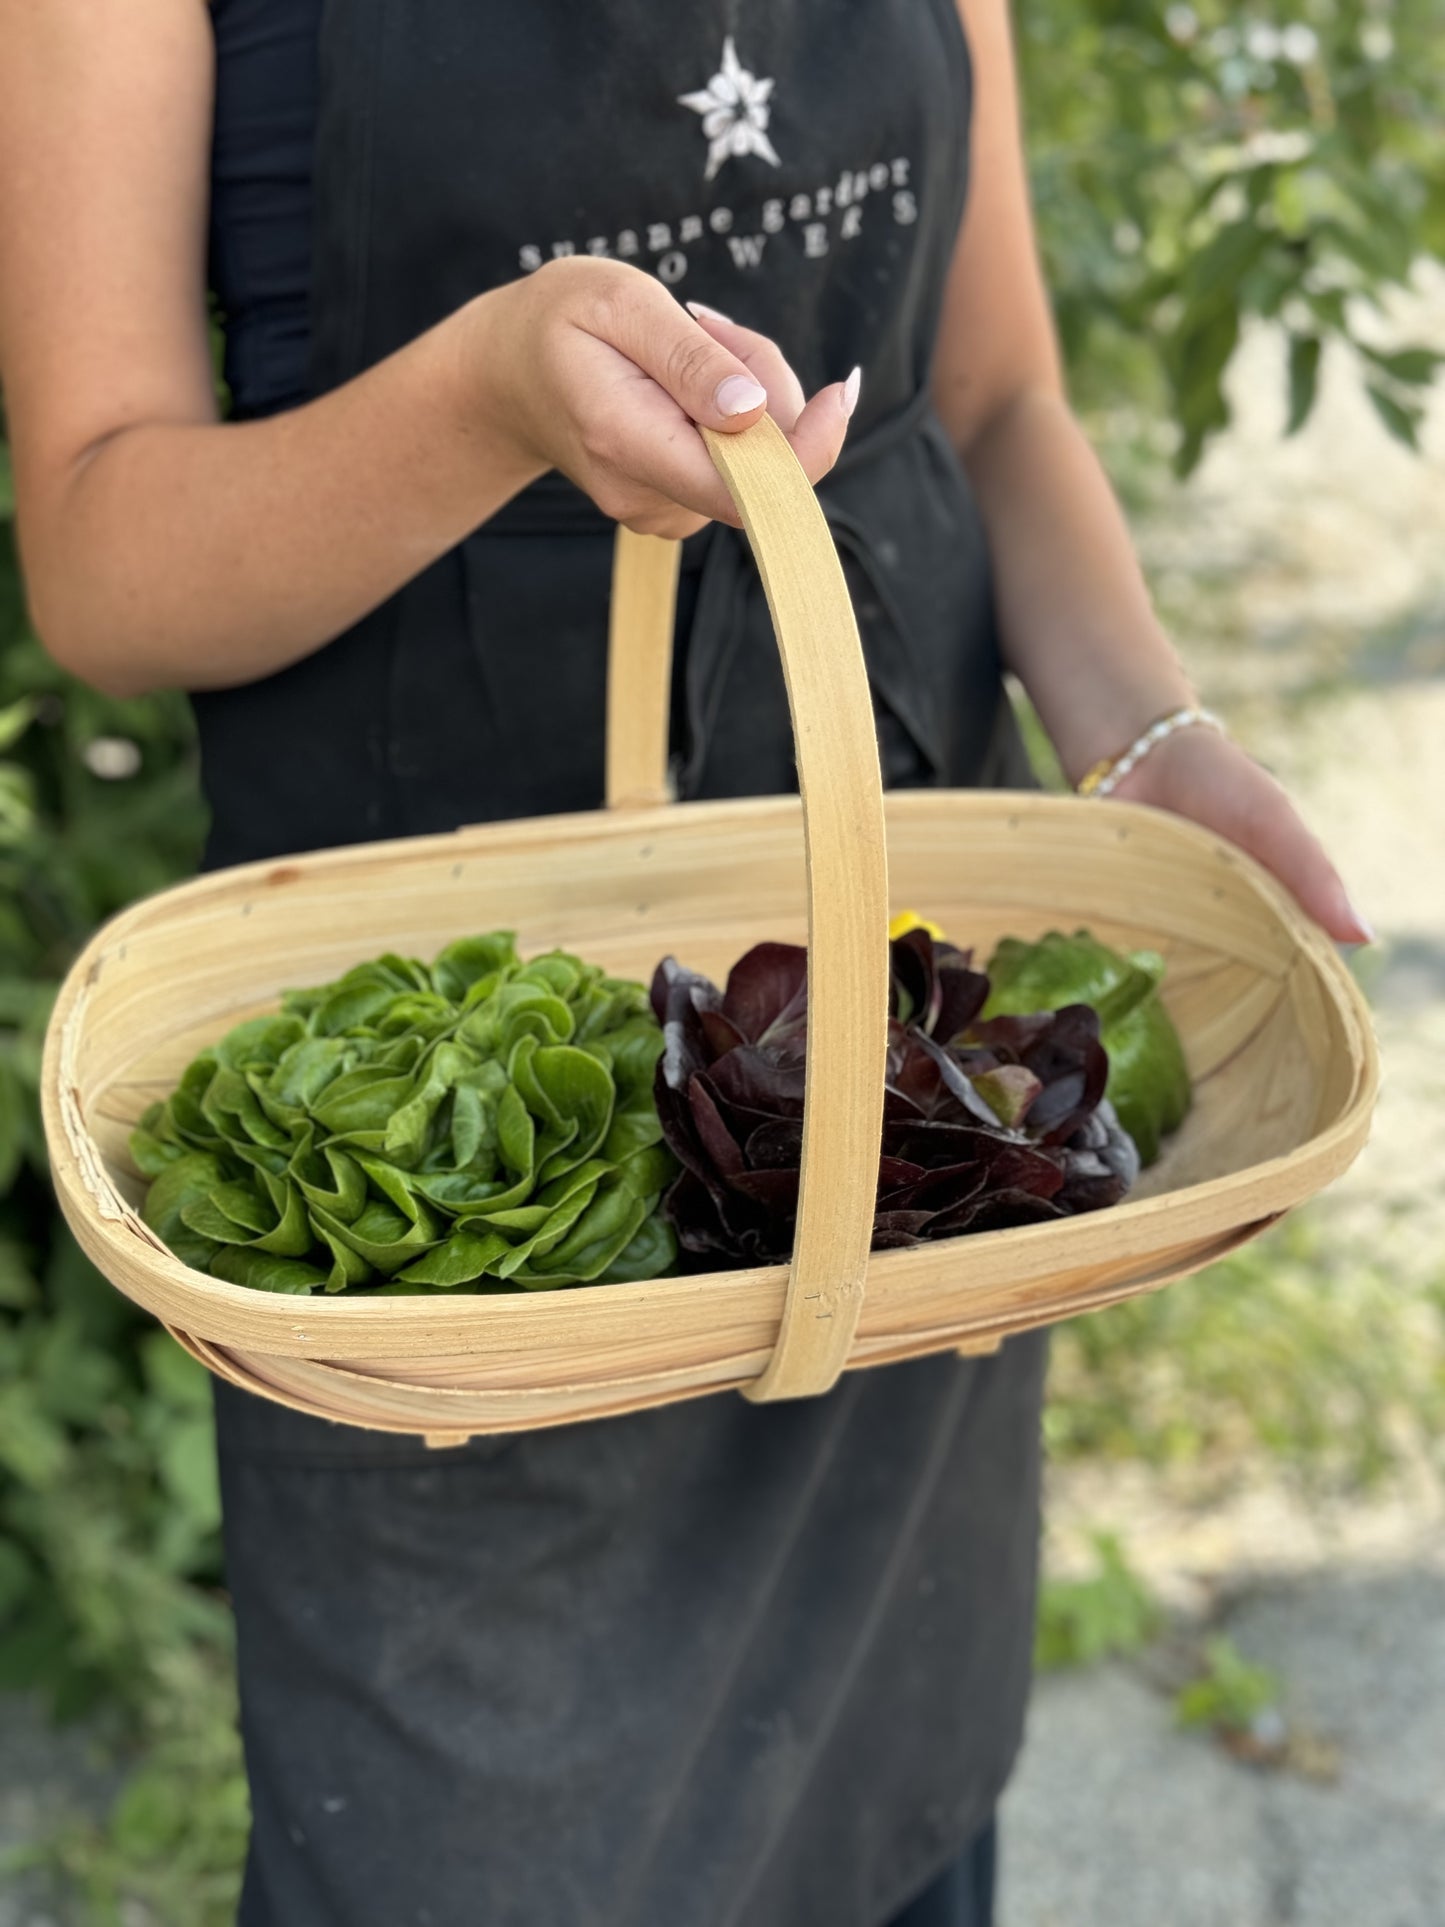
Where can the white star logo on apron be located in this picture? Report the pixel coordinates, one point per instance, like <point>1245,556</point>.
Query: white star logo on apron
<point>735,113</point>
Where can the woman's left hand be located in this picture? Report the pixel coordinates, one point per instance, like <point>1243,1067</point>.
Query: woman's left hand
<point>1202,775</point>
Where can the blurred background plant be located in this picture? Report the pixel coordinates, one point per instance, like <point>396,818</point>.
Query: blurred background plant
<point>1198,165</point>
<point>109,1513</point>
<point>1201,172</point>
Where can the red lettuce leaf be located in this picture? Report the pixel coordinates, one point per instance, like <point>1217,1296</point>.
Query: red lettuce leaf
<point>730,1085</point>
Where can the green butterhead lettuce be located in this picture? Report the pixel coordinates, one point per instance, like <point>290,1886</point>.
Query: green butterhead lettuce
<point>484,1124</point>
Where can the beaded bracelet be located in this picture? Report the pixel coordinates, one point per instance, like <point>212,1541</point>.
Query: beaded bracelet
<point>1110,771</point>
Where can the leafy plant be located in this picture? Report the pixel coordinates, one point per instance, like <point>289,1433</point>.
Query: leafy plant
<point>483,1123</point>
<point>109,1547</point>
<point>1198,167</point>
<point>986,1122</point>
<point>109,1600</point>
<point>1302,1346</point>
<point>1230,1694</point>
<point>1107,1614</point>
<point>1148,1079</point>
<point>168,1848</point>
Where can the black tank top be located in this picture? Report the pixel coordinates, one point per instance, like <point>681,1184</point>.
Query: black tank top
<point>802,166</point>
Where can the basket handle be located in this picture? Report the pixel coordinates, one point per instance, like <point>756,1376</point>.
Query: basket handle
<point>842,795</point>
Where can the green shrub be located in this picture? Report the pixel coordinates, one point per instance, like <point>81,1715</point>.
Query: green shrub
<point>1195,165</point>
<point>1299,1346</point>
<point>1107,1615</point>
<point>109,1514</point>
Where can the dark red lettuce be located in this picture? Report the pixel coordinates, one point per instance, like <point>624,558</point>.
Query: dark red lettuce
<point>985,1124</point>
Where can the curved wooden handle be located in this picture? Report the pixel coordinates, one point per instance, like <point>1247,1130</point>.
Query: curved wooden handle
<point>639,669</point>
<point>842,794</point>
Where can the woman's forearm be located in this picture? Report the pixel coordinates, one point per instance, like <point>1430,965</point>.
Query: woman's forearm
<point>162,547</point>
<point>1077,625</point>
<point>199,555</point>
<point>180,552</point>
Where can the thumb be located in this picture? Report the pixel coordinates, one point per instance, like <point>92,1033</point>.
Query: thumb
<point>709,384</point>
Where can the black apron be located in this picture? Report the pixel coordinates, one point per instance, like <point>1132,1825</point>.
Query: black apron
<point>718,1665</point>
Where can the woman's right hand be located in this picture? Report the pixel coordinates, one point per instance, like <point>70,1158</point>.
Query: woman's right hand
<point>591,367</point>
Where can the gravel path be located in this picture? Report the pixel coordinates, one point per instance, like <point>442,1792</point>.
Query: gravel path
<point>1119,1820</point>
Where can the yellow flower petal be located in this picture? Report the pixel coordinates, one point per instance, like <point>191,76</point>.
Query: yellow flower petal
<point>907,920</point>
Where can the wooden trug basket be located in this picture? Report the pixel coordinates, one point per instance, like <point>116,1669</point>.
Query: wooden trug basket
<point>1277,1037</point>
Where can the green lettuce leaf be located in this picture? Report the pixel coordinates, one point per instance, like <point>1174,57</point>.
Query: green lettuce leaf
<point>484,1123</point>
<point>1148,1077</point>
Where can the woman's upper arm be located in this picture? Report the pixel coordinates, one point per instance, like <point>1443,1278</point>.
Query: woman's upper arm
<point>105,118</point>
<point>996,340</point>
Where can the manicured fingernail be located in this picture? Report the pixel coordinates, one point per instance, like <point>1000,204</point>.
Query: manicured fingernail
<point>701,312</point>
<point>737,394</point>
<point>1360,928</point>
<point>851,390</point>
<point>1362,924</point>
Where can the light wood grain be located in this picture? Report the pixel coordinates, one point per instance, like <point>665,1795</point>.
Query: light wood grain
<point>639,669</point>
<point>1277,1037</point>
<point>846,844</point>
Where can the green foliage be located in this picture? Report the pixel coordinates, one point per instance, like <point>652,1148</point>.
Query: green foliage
<point>480,1124</point>
<point>109,1544</point>
<point>1296,1345</point>
<point>109,1564</point>
<point>1108,1614</point>
<point>1230,1694</point>
<point>1199,165</point>
<point>169,1850</point>
<point>1148,1078</point>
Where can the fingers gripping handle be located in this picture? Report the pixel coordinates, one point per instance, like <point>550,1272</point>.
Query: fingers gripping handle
<point>842,796</point>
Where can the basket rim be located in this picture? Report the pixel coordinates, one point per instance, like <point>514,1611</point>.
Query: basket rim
<point>482,1308</point>
<point>667,819</point>
<point>664,821</point>
<point>1274,1183</point>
